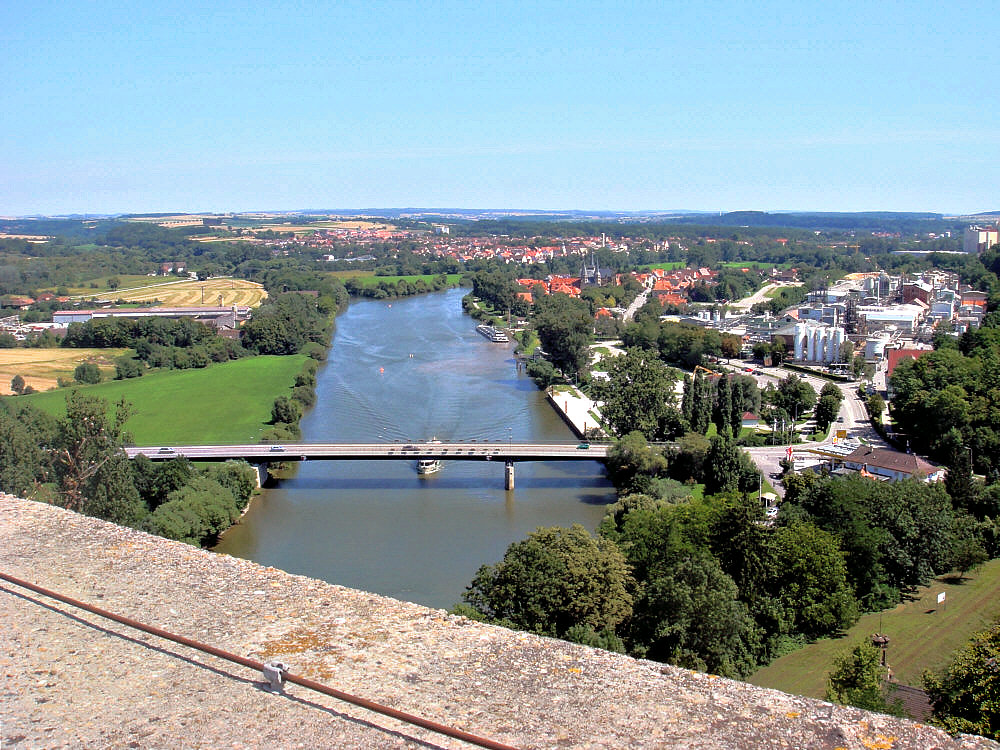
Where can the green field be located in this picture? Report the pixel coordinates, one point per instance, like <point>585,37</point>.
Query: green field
<point>672,266</point>
<point>923,634</point>
<point>225,403</point>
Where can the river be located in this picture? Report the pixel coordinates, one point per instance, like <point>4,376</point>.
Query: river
<point>407,370</point>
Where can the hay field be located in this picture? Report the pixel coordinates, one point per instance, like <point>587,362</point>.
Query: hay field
<point>41,368</point>
<point>197,293</point>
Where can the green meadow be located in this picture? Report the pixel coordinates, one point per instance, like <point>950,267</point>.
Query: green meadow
<point>228,402</point>
<point>923,634</point>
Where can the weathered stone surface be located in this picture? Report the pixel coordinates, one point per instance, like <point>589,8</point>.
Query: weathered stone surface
<point>71,679</point>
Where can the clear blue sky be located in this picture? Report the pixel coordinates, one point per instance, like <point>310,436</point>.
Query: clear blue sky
<point>226,106</point>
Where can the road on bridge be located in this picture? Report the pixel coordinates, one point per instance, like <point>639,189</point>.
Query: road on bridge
<point>469,451</point>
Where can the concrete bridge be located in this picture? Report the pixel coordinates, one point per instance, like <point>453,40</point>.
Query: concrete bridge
<point>506,451</point>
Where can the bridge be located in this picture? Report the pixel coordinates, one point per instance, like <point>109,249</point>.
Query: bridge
<point>506,451</point>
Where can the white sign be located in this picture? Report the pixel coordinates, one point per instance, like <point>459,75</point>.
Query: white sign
<point>941,597</point>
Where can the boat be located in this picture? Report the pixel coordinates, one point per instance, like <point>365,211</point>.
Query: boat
<point>493,334</point>
<point>426,466</point>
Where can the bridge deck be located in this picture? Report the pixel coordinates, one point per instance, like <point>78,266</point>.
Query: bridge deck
<point>470,451</point>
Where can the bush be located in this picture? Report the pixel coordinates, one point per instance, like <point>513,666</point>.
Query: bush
<point>304,395</point>
<point>87,373</point>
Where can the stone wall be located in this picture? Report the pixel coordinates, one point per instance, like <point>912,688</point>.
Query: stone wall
<point>72,679</point>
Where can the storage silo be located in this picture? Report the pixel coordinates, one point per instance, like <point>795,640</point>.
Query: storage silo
<point>800,341</point>
<point>839,336</point>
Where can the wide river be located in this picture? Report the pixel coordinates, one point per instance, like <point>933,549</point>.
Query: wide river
<point>415,369</point>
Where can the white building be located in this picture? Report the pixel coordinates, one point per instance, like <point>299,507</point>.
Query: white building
<point>979,239</point>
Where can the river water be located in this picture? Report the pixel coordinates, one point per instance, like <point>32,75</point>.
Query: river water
<point>415,369</point>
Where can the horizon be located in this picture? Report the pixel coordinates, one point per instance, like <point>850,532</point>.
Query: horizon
<point>846,108</point>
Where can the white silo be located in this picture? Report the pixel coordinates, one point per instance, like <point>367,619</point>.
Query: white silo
<point>800,341</point>
<point>839,334</point>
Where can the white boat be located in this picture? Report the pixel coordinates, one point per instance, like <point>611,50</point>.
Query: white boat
<point>427,466</point>
<point>493,334</point>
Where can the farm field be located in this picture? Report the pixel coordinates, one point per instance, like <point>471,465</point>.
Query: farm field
<point>99,287</point>
<point>190,293</point>
<point>228,402</point>
<point>41,368</point>
<point>923,634</point>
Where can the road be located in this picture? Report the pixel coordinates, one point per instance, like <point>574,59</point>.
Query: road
<point>853,417</point>
<point>467,451</point>
<point>636,304</point>
<point>760,295</point>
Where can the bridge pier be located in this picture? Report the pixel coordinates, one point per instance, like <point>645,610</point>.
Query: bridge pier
<point>260,470</point>
<point>508,475</point>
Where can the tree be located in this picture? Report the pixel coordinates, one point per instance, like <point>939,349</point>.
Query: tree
<point>858,679</point>
<point>639,396</point>
<point>22,462</point>
<point>632,456</point>
<point>794,395</point>
<point>553,580</point>
<point>285,411</point>
<point>876,407</point>
<point>958,479</point>
<point>812,580</point>
<point>17,384</point>
<point>729,469</point>
<point>565,328</point>
<point>826,411</point>
<point>689,614</point>
<point>722,415</point>
<point>964,695</point>
<point>94,476</point>
<point>87,373</point>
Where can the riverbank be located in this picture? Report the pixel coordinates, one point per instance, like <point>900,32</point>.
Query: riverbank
<point>582,415</point>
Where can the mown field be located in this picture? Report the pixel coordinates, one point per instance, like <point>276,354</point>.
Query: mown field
<point>923,633</point>
<point>214,292</point>
<point>41,368</point>
<point>99,287</point>
<point>225,403</point>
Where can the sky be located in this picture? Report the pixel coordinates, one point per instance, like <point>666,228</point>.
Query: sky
<point>114,107</point>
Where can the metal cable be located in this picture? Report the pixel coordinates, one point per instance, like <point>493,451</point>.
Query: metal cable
<point>259,667</point>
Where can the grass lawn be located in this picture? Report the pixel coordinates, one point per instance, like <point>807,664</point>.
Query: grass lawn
<point>923,634</point>
<point>225,403</point>
<point>772,293</point>
<point>671,266</point>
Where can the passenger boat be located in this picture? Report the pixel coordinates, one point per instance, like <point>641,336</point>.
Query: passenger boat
<point>493,334</point>
<point>427,466</point>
